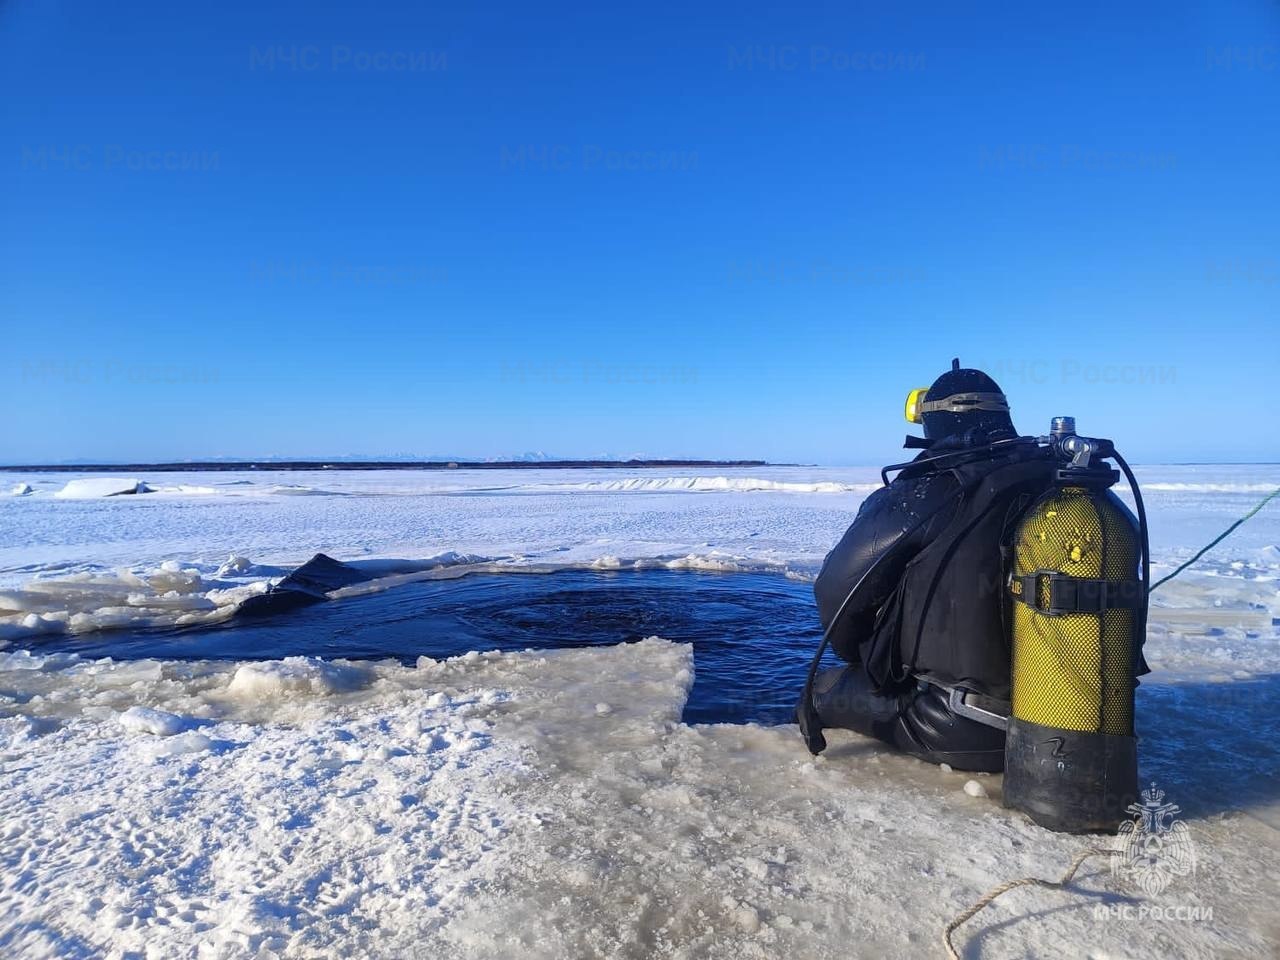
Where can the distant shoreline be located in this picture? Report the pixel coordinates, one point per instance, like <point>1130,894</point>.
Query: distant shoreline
<point>309,465</point>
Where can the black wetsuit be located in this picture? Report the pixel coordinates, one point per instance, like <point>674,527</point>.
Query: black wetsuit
<point>929,620</point>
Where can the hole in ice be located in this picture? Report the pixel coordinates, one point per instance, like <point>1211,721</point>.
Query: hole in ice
<point>752,633</point>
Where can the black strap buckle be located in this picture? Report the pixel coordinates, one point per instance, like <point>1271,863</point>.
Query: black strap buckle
<point>1054,593</point>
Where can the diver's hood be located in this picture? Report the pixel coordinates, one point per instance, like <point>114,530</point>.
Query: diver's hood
<point>963,408</point>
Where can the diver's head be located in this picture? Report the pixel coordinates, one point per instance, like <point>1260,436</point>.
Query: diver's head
<point>963,404</point>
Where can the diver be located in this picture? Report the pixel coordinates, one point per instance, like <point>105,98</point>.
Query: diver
<point>916,591</point>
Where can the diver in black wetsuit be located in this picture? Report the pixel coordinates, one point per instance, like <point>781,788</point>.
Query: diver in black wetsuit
<point>920,580</point>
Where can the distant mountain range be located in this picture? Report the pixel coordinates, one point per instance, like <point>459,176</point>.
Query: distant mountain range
<point>339,463</point>
<point>530,456</point>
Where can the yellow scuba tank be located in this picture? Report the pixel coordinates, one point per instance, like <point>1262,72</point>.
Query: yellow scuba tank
<point>1078,616</point>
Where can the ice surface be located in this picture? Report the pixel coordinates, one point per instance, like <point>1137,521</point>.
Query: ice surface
<point>158,722</point>
<point>486,807</point>
<point>553,804</point>
<point>92,487</point>
<point>696,485</point>
<point>98,562</point>
<point>294,676</point>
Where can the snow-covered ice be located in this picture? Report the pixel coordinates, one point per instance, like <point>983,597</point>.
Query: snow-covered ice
<point>485,807</point>
<point>149,720</point>
<point>89,488</point>
<point>696,485</point>
<point>111,561</point>
<point>553,804</point>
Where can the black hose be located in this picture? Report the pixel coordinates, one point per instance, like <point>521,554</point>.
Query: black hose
<point>1145,540</point>
<point>968,451</point>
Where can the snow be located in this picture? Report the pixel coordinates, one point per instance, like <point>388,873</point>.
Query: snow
<point>293,676</point>
<point>148,720</point>
<point>97,563</point>
<point>92,487</point>
<point>235,565</point>
<point>337,817</point>
<point>1208,487</point>
<point>483,807</point>
<point>553,804</point>
<point>168,594</point>
<point>696,485</point>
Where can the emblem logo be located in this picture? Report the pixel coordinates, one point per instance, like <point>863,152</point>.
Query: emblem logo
<point>1153,849</point>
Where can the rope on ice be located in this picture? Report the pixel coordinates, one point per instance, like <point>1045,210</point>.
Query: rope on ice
<point>991,895</point>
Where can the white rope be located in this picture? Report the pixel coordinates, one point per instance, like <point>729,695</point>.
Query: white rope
<point>1013,884</point>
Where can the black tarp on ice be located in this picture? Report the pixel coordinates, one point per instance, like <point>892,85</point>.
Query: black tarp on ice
<point>310,583</point>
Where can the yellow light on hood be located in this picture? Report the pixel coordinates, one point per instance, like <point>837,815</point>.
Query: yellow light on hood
<point>914,401</point>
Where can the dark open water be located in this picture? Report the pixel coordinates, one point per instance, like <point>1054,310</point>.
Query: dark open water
<point>753,634</point>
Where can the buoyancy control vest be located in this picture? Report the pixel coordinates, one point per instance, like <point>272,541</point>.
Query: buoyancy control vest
<point>946,621</point>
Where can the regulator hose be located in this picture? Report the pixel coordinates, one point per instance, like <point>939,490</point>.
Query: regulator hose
<point>975,452</point>
<point>1145,540</point>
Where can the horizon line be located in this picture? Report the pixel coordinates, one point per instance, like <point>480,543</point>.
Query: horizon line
<point>303,464</point>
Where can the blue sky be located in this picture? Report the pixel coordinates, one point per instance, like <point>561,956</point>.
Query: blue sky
<point>721,230</point>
